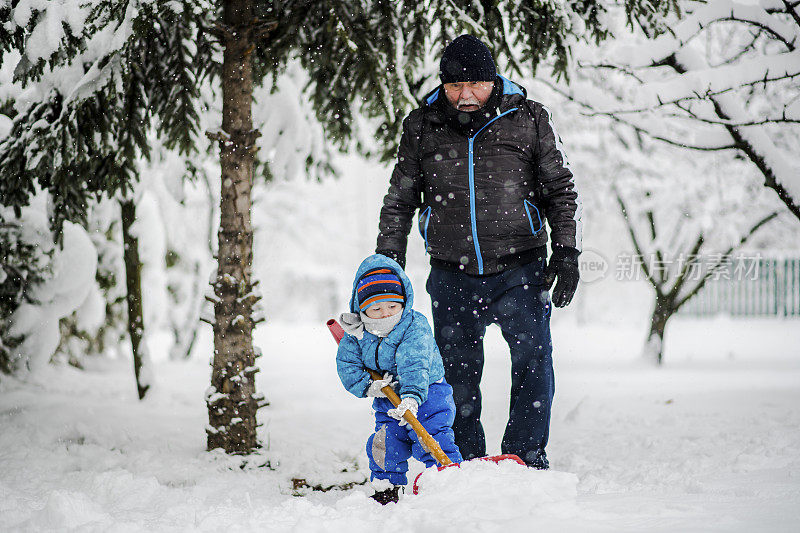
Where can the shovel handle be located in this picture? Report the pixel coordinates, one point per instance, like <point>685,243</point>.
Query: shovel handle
<point>424,437</point>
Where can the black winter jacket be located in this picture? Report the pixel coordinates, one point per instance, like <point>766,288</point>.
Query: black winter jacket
<point>481,199</point>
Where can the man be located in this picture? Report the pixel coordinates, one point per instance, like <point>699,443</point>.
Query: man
<point>485,167</point>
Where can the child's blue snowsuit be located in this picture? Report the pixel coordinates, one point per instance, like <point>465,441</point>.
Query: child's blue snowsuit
<point>409,353</point>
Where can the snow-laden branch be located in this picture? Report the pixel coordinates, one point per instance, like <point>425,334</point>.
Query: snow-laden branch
<point>793,8</point>
<point>47,38</point>
<point>685,297</point>
<point>693,25</point>
<point>400,64</point>
<point>640,251</point>
<point>50,20</point>
<point>781,119</point>
<point>705,83</point>
<point>712,139</point>
<point>704,107</point>
<point>463,17</point>
<point>754,142</point>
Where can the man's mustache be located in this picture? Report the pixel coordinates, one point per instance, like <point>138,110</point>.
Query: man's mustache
<point>471,101</point>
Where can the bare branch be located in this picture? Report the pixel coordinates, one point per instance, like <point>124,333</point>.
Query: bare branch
<point>744,49</point>
<point>683,276</point>
<point>262,28</point>
<point>704,96</point>
<point>721,122</point>
<point>636,246</point>
<point>711,270</point>
<point>257,29</point>
<point>625,69</point>
<point>686,109</point>
<point>222,32</point>
<point>790,45</point>
<point>651,220</point>
<point>636,127</point>
<point>790,9</point>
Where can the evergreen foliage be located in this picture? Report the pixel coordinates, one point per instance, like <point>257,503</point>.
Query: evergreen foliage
<point>374,58</point>
<point>82,140</point>
<point>23,263</point>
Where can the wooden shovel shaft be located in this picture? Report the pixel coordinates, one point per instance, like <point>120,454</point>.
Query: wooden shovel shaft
<point>424,437</point>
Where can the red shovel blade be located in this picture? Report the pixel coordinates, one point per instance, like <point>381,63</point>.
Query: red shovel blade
<point>493,458</point>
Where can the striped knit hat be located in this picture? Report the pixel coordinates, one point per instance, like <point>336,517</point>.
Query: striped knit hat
<point>379,285</point>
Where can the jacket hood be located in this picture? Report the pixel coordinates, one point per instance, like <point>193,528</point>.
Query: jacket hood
<point>510,88</point>
<point>381,261</point>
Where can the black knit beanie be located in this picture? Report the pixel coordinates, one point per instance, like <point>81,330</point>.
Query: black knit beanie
<point>466,59</point>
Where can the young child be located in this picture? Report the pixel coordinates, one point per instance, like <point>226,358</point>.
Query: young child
<point>386,335</point>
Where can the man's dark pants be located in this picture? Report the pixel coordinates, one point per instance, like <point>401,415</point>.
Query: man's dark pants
<point>515,299</point>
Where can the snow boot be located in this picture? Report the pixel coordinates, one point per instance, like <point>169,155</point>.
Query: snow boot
<point>539,462</point>
<point>387,496</point>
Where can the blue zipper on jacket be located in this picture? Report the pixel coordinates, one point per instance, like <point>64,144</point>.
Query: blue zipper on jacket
<point>427,215</point>
<point>473,218</point>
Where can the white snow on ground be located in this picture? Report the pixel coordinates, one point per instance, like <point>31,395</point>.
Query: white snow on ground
<point>710,442</point>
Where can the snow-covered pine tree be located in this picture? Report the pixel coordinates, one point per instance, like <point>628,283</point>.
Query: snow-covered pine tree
<point>98,76</point>
<point>99,326</point>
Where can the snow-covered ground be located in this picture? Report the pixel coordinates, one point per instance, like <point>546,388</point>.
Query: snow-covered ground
<point>710,442</point>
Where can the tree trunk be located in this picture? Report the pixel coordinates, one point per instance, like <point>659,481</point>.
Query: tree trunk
<point>232,400</point>
<point>133,281</point>
<point>654,346</point>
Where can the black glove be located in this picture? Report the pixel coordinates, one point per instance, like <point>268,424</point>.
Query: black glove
<point>563,264</point>
<point>400,257</point>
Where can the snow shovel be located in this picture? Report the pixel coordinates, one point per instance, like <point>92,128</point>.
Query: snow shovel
<point>428,442</point>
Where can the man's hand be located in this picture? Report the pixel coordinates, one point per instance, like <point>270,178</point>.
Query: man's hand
<point>406,404</point>
<point>563,264</point>
<point>374,389</point>
<point>400,257</point>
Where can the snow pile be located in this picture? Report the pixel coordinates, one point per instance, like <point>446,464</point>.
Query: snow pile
<point>68,510</point>
<point>505,485</point>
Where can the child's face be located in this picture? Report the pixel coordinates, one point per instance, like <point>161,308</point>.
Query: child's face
<point>383,309</point>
